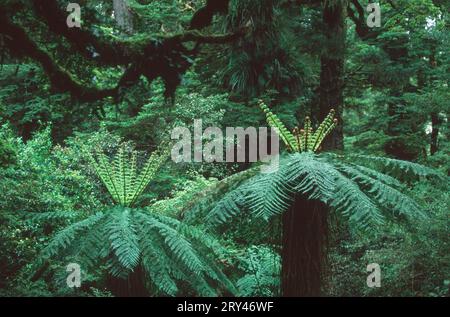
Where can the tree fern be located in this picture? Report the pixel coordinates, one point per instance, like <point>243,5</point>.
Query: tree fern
<point>306,187</point>
<point>123,237</point>
<point>357,186</point>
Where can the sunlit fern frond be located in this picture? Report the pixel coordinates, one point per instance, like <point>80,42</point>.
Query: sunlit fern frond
<point>286,136</point>
<point>121,176</point>
<point>301,140</point>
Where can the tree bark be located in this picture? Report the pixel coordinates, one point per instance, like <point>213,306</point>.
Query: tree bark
<point>123,16</point>
<point>304,247</point>
<point>332,69</point>
<point>435,122</point>
<point>132,286</point>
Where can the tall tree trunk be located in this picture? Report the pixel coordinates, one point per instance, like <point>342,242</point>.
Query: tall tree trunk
<point>304,247</point>
<point>332,69</point>
<point>398,129</point>
<point>435,122</point>
<point>399,126</point>
<point>123,16</point>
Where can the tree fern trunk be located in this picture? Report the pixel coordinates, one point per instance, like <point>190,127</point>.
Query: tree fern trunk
<point>132,286</point>
<point>304,243</point>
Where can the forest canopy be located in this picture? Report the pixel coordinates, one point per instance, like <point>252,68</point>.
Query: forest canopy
<point>356,91</point>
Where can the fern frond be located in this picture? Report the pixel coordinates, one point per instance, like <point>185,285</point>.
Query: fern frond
<point>154,162</point>
<point>269,194</point>
<point>131,175</point>
<point>104,170</point>
<point>205,200</point>
<point>397,167</point>
<point>354,204</point>
<point>123,238</point>
<point>310,176</point>
<point>177,241</point>
<point>156,263</point>
<point>64,238</point>
<point>92,249</point>
<point>120,176</point>
<point>384,178</point>
<point>181,248</point>
<point>301,140</point>
<point>52,215</point>
<point>229,206</point>
<point>385,195</point>
<point>115,267</point>
<point>273,121</point>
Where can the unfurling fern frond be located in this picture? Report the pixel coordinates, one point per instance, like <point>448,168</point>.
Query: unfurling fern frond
<point>301,140</point>
<point>273,121</point>
<point>120,176</point>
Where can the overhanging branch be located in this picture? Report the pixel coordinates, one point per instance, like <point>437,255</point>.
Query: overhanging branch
<point>165,57</point>
<point>20,44</point>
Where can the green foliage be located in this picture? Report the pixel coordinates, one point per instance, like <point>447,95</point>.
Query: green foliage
<point>46,177</point>
<point>122,238</point>
<point>413,262</point>
<point>121,178</point>
<point>56,208</point>
<point>265,59</point>
<point>361,194</point>
<point>262,269</point>
<point>301,140</point>
<point>7,150</point>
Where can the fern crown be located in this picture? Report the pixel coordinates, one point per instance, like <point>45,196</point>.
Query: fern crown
<point>122,238</point>
<point>301,140</point>
<point>352,186</point>
<point>358,187</point>
<point>121,176</point>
